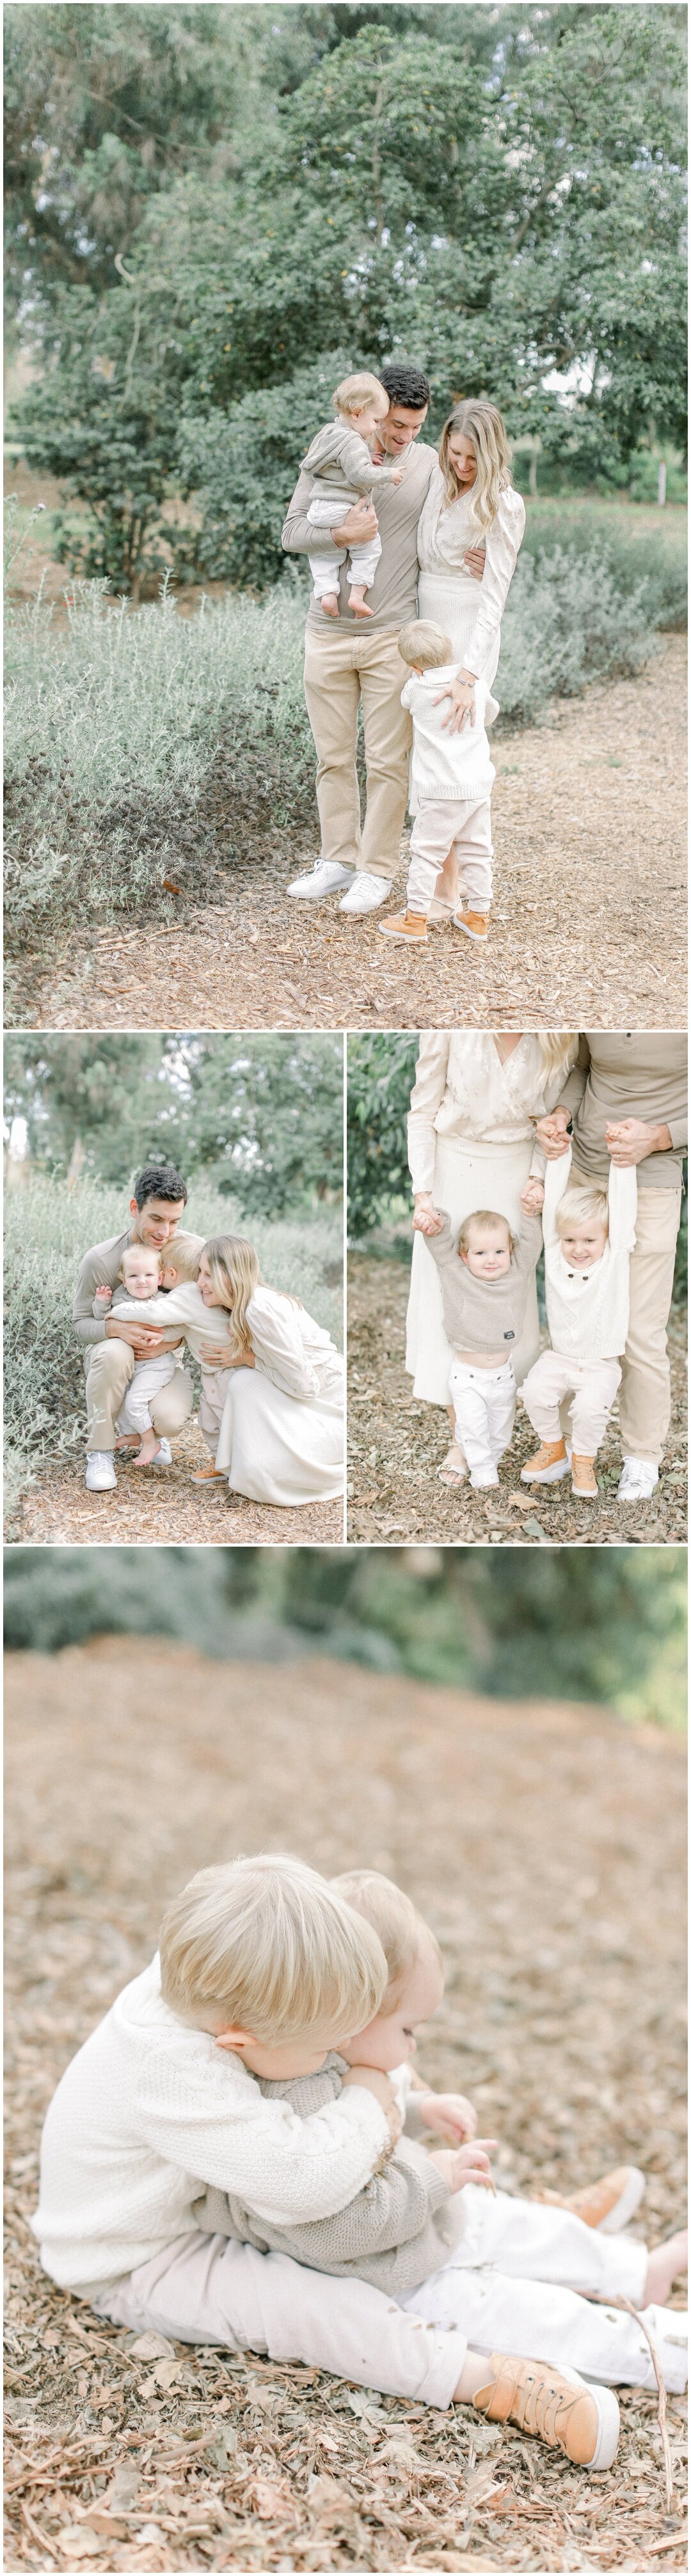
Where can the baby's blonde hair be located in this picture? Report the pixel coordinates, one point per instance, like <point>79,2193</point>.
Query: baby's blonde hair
<point>355,392</point>
<point>424,644</point>
<point>183,1255</point>
<point>484,1217</point>
<point>403,1933</point>
<point>136,1249</point>
<point>265,1945</point>
<point>582,1204</point>
<point>482,424</point>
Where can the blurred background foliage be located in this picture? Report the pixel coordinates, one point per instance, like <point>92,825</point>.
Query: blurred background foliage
<point>601,1624</point>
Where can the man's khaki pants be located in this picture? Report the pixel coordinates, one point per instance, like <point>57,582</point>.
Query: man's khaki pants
<point>644,1402</point>
<point>340,671</point>
<point>111,1365</point>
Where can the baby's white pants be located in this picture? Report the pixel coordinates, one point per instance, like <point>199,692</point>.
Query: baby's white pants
<point>361,560</point>
<point>149,1375</point>
<point>484,1403</point>
<point>593,1385</point>
<point>513,2285</point>
<point>436,829</point>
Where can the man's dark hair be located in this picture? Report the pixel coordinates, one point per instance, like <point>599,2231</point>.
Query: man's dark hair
<point>405,384</point>
<point>159,1181</point>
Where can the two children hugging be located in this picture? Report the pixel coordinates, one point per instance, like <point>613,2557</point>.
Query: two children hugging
<point>143,1275</point>
<point>484,1276</point>
<point>234,2157</point>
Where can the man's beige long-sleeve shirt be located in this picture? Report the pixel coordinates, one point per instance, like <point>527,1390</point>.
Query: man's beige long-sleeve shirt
<point>642,1073</point>
<point>393,595</point>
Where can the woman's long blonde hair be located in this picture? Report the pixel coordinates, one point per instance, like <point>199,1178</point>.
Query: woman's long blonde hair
<point>483,425</point>
<point>557,1049</point>
<point>234,1272</point>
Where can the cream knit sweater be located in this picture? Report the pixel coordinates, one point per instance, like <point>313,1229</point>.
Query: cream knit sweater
<point>147,2111</point>
<point>443,764</point>
<point>588,1310</point>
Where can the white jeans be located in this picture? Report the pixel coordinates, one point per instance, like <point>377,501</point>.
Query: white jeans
<point>502,2290</point>
<point>361,560</point>
<point>149,1375</point>
<point>437,828</point>
<point>484,1403</point>
<point>593,1385</point>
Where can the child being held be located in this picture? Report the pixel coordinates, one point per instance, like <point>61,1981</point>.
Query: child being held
<point>343,472</point>
<point>589,1236</point>
<point>179,1304</point>
<point>140,1275</point>
<point>484,1274</point>
<point>452,778</point>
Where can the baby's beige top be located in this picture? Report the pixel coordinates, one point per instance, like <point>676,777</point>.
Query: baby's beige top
<point>341,468</point>
<point>463,1091</point>
<point>484,1315</point>
<point>392,596</point>
<point>396,2231</point>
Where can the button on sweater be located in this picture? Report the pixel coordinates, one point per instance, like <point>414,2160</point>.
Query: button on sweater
<point>484,1314</point>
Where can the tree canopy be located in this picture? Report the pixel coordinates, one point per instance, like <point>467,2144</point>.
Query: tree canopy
<point>497,192</point>
<point>263,1115</point>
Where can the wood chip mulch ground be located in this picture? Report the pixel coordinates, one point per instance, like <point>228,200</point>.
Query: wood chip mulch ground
<point>588,930</point>
<point>130,1763</point>
<point>160,1506</point>
<point>396,1445</point>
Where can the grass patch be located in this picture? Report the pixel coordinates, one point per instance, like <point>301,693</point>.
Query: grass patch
<point>47,1229</point>
<point>151,745</point>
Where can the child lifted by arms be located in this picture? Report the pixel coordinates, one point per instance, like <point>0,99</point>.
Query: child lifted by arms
<point>589,1236</point>
<point>343,471</point>
<point>484,1275</point>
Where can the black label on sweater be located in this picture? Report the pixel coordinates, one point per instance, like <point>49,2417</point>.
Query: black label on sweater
<point>509,1337</point>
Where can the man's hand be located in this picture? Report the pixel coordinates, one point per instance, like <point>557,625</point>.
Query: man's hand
<point>462,693</point>
<point>448,2114</point>
<point>552,1134</point>
<point>373,2081</point>
<point>630,1140</point>
<point>465,2164</point>
<point>474,562</point>
<point>533,1197</point>
<point>360,522</point>
<point>426,1218</point>
<point>144,1339</point>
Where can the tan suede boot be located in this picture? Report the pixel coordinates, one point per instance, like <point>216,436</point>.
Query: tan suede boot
<point>554,2405</point>
<point>549,1464</point>
<point>583,1478</point>
<point>411,927</point>
<point>608,2203</point>
<point>475,924</point>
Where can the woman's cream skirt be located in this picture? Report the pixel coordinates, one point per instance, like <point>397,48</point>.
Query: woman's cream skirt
<point>279,1448</point>
<point>465,1177</point>
<point>451,601</point>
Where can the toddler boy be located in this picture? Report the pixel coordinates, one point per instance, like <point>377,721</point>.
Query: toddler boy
<point>484,1275</point>
<point>451,781</point>
<point>343,471</point>
<point>588,1237</point>
<point>140,1276</point>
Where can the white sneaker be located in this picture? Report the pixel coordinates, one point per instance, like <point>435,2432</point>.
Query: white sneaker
<point>366,893</point>
<point>324,878</point>
<point>100,1471</point>
<point>164,1455</point>
<point>481,1477</point>
<point>637,1481</point>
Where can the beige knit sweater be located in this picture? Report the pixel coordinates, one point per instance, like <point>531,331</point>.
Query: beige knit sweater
<point>394,2233</point>
<point>484,1314</point>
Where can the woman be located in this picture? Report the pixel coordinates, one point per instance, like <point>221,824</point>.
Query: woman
<point>471,1144</point>
<point>274,1414</point>
<point>470,501</point>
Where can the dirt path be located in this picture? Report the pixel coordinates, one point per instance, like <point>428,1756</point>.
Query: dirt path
<point>589,925</point>
<point>162,1506</point>
<point>396,1445</point>
<point>129,1764</point>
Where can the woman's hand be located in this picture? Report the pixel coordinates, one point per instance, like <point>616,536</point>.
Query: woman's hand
<point>630,1140</point>
<point>474,561</point>
<point>465,2164</point>
<point>246,1360</point>
<point>449,2114</point>
<point>552,1134</point>
<point>533,1197</point>
<point>426,1219</point>
<point>462,692</point>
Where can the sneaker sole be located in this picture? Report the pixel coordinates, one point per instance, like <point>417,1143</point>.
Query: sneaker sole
<point>404,938</point>
<point>480,936</point>
<point>547,1475</point>
<point>625,2207</point>
<point>103,1489</point>
<point>306,897</point>
<point>608,2420</point>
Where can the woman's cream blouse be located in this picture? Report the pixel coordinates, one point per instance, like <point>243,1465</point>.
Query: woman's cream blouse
<point>463,1090</point>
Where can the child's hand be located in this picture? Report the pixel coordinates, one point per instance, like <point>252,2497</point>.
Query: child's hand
<point>465,2164</point>
<point>448,2114</point>
<point>397,476</point>
<point>374,2081</point>
<point>426,1218</point>
<point>104,1296</point>
<point>533,1197</point>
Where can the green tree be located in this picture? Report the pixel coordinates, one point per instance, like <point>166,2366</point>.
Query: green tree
<point>262,1114</point>
<point>381,1072</point>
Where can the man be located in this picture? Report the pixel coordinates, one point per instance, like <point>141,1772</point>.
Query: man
<point>627,1098</point>
<point>111,1347</point>
<point>346,664</point>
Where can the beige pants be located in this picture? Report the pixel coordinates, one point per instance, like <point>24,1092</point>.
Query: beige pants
<point>592,1384</point>
<point>111,1366</point>
<point>342,672</point>
<point>644,1403</point>
<point>437,829</point>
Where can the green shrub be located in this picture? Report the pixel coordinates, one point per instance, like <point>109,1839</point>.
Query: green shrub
<point>48,1228</point>
<point>381,1072</point>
